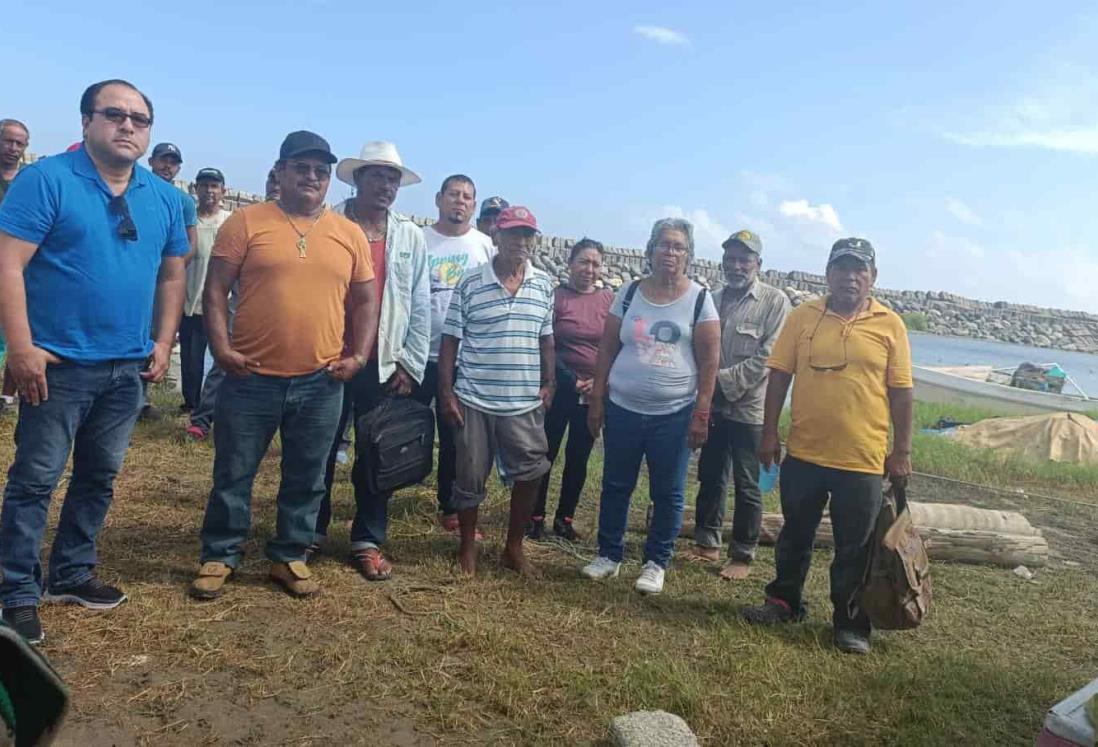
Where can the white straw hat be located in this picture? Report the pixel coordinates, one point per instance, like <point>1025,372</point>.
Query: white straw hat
<point>376,153</point>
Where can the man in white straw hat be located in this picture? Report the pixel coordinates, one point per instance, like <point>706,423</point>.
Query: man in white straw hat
<point>397,361</point>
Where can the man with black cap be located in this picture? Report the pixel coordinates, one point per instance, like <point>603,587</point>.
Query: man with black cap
<point>751,315</point>
<point>849,360</point>
<point>489,212</point>
<point>165,161</point>
<point>209,185</point>
<point>299,268</point>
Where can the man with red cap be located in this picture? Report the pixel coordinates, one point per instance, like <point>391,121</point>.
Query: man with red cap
<point>499,334</point>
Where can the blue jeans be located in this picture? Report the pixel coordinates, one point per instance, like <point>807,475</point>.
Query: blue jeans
<point>90,412</point>
<point>661,440</point>
<point>203,413</point>
<point>305,411</point>
<point>371,523</point>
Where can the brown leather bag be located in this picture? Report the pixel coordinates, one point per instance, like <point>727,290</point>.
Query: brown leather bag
<point>896,593</point>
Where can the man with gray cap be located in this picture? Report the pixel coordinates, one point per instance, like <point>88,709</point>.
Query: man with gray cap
<point>849,360</point>
<point>751,315</point>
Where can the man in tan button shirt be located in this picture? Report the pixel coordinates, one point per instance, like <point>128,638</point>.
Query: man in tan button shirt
<point>751,315</point>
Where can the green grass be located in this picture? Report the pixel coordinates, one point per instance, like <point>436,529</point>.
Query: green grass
<point>504,660</point>
<point>940,456</point>
<point>916,321</point>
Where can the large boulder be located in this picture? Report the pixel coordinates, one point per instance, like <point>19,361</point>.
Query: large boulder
<point>651,729</point>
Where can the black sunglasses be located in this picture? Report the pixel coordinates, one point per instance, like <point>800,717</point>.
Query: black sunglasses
<point>320,171</point>
<point>117,116</point>
<point>127,229</point>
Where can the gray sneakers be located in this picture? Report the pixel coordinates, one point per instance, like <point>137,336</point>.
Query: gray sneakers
<point>600,568</point>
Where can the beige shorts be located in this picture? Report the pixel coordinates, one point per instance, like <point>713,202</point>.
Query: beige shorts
<point>518,439</point>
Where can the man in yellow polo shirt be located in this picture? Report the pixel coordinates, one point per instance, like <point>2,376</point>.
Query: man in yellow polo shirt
<point>849,361</point>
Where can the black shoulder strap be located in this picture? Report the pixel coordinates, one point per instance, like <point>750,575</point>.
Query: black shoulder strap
<point>698,304</point>
<point>629,293</point>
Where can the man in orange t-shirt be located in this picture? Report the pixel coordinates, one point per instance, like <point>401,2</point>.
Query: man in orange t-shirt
<point>296,265</point>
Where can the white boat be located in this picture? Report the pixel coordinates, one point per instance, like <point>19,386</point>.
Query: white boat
<point>989,388</point>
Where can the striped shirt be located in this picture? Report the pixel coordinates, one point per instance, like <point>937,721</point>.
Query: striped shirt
<point>499,362</point>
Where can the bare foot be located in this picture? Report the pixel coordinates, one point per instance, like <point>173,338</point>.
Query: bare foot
<point>515,560</point>
<point>703,554</point>
<point>467,558</point>
<point>735,570</point>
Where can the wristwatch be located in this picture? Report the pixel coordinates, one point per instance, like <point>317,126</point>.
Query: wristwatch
<point>361,360</point>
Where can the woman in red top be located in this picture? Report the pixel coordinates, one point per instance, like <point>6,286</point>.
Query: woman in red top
<point>579,312</point>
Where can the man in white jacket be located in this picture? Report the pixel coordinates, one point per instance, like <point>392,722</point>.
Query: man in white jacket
<point>396,364</point>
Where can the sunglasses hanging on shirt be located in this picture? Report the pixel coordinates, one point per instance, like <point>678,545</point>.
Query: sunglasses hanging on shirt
<point>127,229</point>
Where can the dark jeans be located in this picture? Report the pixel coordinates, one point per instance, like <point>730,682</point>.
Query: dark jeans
<point>567,413</point>
<point>730,449</point>
<point>447,453</point>
<point>855,502</point>
<point>305,411</point>
<point>91,412</point>
<point>192,358</point>
<point>203,413</point>
<point>371,523</point>
<point>661,440</point>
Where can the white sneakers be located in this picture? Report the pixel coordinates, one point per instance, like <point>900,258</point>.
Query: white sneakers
<point>651,579</point>
<point>600,568</point>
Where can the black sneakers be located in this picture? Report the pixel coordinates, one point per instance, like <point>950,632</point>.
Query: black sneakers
<point>563,529</point>
<point>24,621</point>
<point>535,529</point>
<point>92,594</point>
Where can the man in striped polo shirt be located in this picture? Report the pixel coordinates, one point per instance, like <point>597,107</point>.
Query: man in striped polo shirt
<point>499,334</point>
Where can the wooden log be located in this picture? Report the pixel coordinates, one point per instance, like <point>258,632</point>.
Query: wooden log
<point>956,545</point>
<point>957,533</point>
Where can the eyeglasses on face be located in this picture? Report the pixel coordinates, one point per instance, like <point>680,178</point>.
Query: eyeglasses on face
<point>117,116</point>
<point>672,248</point>
<point>127,229</point>
<point>320,171</point>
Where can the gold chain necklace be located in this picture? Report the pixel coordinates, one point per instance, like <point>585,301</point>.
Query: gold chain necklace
<point>302,245</point>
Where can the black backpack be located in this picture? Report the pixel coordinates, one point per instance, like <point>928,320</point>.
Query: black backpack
<point>632,291</point>
<point>394,445</point>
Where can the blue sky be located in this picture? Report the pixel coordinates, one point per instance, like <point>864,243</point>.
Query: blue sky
<point>961,140</point>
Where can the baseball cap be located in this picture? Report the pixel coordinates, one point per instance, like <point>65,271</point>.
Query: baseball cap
<point>853,247</point>
<point>302,142</point>
<point>210,174</point>
<point>516,217</point>
<point>493,205</point>
<point>167,149</point>
<point>747,239</point>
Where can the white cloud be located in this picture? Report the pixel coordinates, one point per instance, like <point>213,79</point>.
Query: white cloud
<point>1058,112</point>
<point>823,214</point>
<point>709,232</point>
<point>1084,141</point>
<point>662,35</point>
<point>1060,277</point>
<point>962,212</point>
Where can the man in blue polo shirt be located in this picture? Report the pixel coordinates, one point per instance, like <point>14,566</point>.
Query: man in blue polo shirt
<point>499,335</point>
<point>88,241</point>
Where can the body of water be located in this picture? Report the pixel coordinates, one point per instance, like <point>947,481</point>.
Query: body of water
<point>936,350</point>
